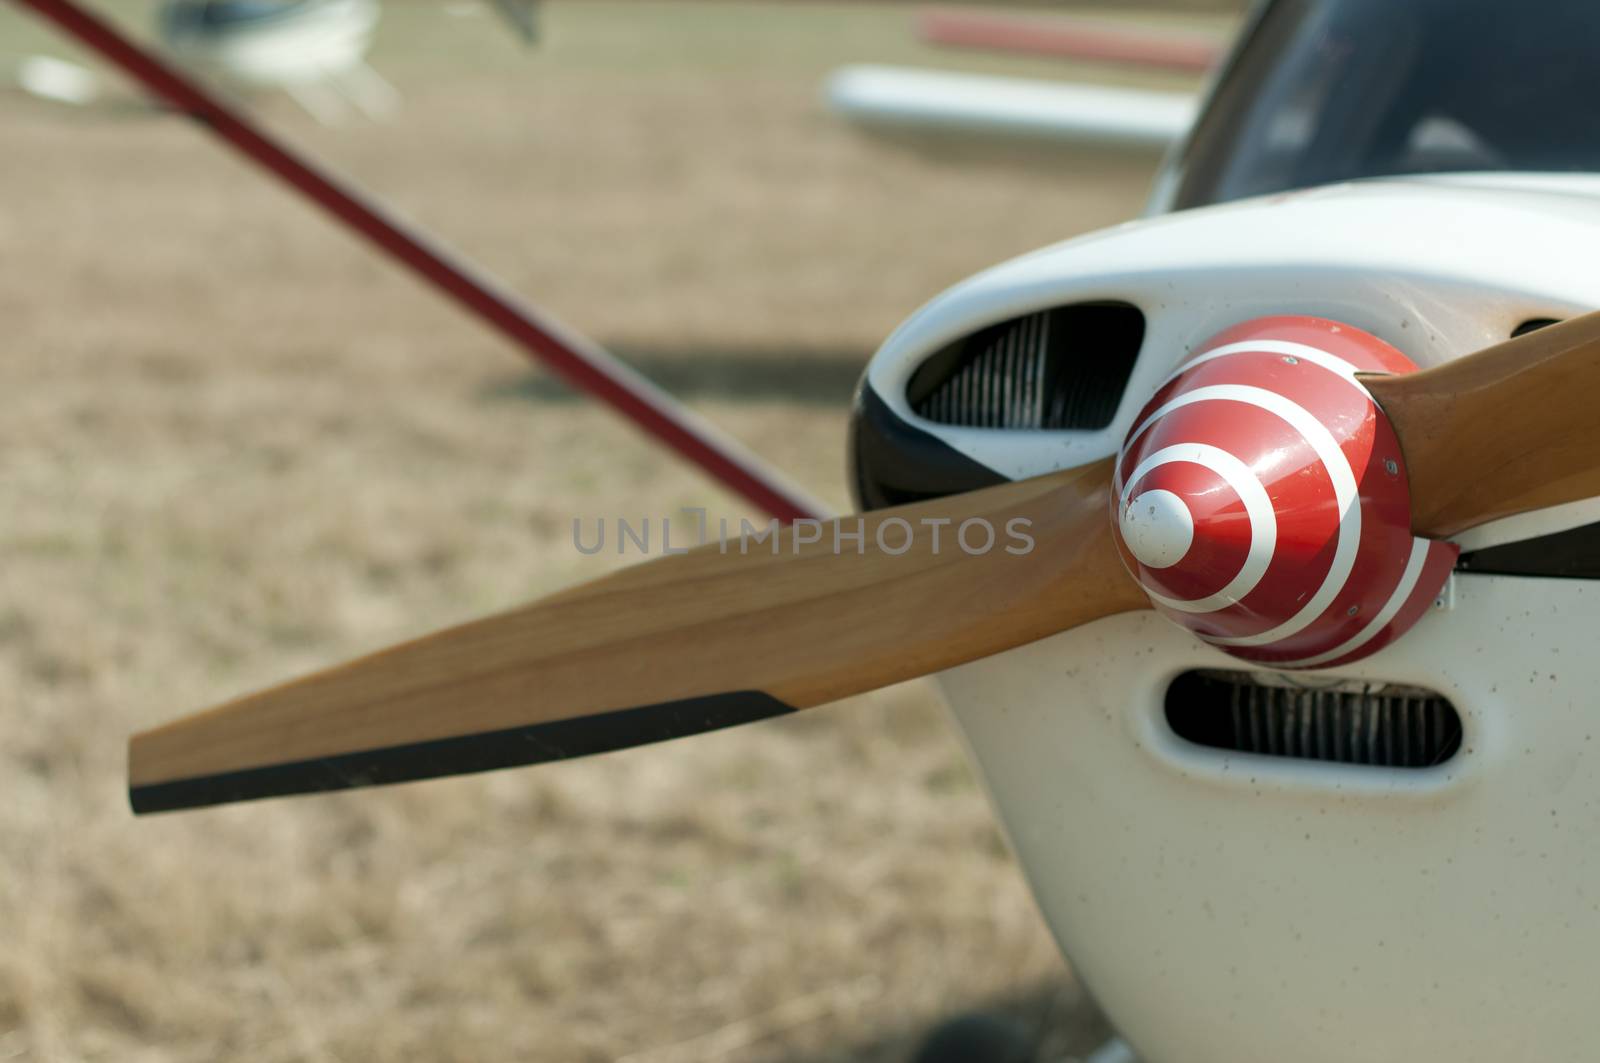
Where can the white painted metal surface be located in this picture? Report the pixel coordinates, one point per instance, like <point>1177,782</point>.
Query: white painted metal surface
<point>908,100</point>
<point>1230,907</point>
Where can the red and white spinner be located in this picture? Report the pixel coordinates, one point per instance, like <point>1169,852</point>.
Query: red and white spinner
<point>1262,502</point>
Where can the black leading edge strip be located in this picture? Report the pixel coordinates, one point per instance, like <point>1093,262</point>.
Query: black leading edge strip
<point>466,754</point>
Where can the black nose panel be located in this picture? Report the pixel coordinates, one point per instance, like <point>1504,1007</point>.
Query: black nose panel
<point>895,462</point>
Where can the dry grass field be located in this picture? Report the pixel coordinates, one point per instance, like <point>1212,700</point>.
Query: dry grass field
<point>235,446</point>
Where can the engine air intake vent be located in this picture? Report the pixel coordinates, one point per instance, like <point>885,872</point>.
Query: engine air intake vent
<point>1057,369</point>
<point>1386,725</point>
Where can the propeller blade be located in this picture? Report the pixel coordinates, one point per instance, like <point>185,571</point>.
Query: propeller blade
<point>1500,432</point>
<point>675,646</point>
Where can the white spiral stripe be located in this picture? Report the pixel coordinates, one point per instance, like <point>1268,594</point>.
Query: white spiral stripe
<point>1397,600</point>
<point>1340,473</point>
<point>1263,521</point>
<point>1314,355</point>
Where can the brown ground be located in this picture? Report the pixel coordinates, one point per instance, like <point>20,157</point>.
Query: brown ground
<point>234,445</point>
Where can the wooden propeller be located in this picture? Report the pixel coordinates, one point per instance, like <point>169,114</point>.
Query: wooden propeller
<point>725,635</point>
<point>1509,429</point>
<point>678,645</point>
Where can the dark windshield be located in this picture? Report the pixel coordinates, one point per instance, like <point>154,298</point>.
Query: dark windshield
<point>1328,90</point>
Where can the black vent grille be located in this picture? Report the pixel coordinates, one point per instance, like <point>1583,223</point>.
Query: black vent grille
<point>1057,369</point>
<point>1250,712</point>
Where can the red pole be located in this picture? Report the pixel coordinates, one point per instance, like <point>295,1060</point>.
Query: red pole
<point>584,364</point>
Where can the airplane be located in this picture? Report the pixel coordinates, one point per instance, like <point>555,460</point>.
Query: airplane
<point>937,106</point>
<point>980,113</point>
<point>312,50</point>
<point>1266,597</point>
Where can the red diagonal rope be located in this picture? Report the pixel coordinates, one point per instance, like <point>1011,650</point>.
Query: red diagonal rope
<point>584,364</point>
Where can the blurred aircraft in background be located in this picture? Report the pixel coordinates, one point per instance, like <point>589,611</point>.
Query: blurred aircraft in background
<point>1067,37</point>
<point>936,105</point>
<point>312,50</point>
